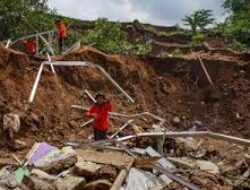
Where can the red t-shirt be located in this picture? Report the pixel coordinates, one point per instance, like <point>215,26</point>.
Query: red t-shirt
<point>101,111</point>
<point>61,30</point>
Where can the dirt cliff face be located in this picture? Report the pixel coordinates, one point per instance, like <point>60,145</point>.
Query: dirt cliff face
<point>169,87</point>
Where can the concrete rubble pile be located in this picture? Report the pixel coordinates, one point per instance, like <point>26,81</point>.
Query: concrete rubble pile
<point>185,163</point>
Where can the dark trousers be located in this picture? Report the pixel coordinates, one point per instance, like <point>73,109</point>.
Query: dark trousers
<point>100,135</point>
<point>61,43</point>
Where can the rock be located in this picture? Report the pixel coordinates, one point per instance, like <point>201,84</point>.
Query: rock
<point>183,162</point>
<point>38,184</point>
<point>39,174</point>
<point>57,161</point>
<point>107,172</point>
<point>207,166</point>
<point>85,169</point>
<point>70,183</point>
<point>9,181</point>
<point>74,124</point>
<point>11,123</point>
<point>176,120</point>
<point>98,185</point>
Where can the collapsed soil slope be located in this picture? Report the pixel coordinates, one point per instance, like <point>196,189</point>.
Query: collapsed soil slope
<point>169,87</point>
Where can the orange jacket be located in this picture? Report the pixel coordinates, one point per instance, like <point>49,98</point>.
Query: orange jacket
<point>101,111</point>
<point>61,30</point>
<point>30,46</point>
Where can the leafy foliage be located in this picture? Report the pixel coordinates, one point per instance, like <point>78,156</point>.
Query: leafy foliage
<point>110,38</point>
<point>199,20</point>
<point>177,53</point>
<point>237,26</point>
<point>197,38</point>
<point>19,17</point>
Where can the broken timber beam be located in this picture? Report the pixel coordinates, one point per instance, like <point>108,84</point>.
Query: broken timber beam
<point>121,177</point>
<point>205,71</point>
<point>198,134</point>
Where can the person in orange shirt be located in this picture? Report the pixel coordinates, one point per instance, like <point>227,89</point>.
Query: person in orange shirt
<point>61,34</point>
<point>30,47</point>
<point>99,112</point>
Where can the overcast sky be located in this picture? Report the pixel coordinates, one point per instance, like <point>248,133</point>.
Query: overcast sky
<point>160,12</point>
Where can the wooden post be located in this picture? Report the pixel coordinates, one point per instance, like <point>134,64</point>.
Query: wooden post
<point>121,177</point>
<point>205,71</point>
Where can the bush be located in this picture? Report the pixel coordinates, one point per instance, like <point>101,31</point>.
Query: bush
<point>199,37</point>
<point>177,53</point>
<point>235,45</point>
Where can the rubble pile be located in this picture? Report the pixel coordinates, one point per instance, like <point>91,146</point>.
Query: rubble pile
<point>191,163</point>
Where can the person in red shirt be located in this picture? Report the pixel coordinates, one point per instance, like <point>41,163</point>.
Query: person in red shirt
<point>30,47</point>
<point>99,111</point>
<point>61,33</point>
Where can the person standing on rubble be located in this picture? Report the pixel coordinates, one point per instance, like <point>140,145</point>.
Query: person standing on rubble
<point>61,34</point>
<point>99,111</point>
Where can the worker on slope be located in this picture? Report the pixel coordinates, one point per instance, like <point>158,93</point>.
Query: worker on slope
<point>30,47</point>
<point>61,34</point>
<point>99,111</point>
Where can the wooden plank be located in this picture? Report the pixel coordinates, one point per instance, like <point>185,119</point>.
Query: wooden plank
<point>121,177</point>
<point>205,71</point>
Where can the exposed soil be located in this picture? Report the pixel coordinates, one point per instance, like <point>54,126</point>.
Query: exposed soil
<point>169,87</point>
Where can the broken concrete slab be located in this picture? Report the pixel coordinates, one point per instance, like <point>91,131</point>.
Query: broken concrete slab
<point>102,184</point>
<point>107,172</point>
<point>183,162</point>
<point>38,151</point>
<point>85,169</point>
<point>39,174</point>
<point>38,184</point>
<point>70,182</point>
<point>104,157</point>
<point>9,182</point>
<point>139,151</point>
<point>159,183</point>
<point>137,179</point>
<point>162,161</point>
<point>208,166</point>
<point>57,160</point>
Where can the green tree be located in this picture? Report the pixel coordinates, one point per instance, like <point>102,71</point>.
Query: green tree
<point>18,16</point>
<point>199,20</point>
<point>110,38</point>
<point>237,25</point>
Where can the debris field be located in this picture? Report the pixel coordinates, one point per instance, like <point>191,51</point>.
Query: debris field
<point>176,123</point>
